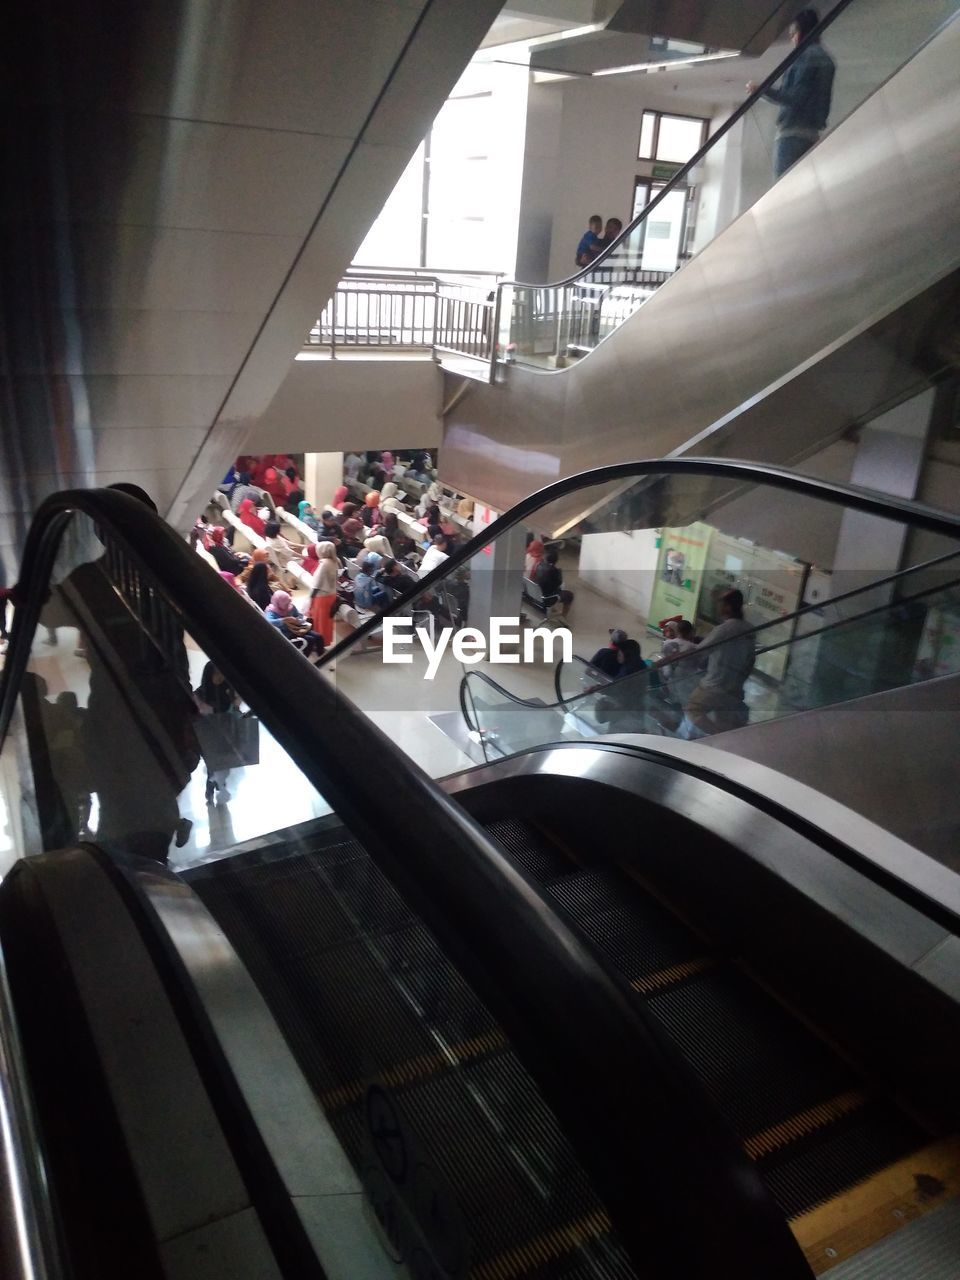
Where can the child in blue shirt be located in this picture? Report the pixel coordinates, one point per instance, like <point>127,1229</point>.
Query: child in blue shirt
<point>590,242</point>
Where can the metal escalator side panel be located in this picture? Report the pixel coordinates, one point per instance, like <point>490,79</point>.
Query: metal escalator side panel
<point>721,849</point>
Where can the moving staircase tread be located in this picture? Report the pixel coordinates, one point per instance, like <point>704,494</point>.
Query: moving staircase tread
<point>757,1063</point>
<point>764,1069</point>
<point>338,1004</point>
<point>846,1154</point>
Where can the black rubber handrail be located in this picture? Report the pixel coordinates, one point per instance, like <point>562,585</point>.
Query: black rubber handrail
<point>864,500</point>
<point>639,1120</point>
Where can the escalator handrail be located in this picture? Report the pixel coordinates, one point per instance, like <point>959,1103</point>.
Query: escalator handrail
<point>635,1115</point>
<point>747,105</point>
<point>866,501</point>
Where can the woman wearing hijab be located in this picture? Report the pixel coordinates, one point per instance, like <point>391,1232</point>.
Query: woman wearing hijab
<point>323,596</point>
<point>227,561</point>
<point>353,534</point>
<point>389,500</point>
<point>305,515</point>
<point>378,545</point>
<point>535,553</point>
<point>330,524</point>
<point>339,497</point>
<point>273,484</point>
<point>432,496</point>
<point>247,513</point>
<point>258,579</point>
<point>348,510</point>
<point>283,614</point>
<point>293,500</point>
<point>371,509</point>
<point>387,459</point>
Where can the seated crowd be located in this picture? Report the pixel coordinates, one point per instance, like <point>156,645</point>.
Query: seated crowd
<point>389,525</point>
<point>358,556</point>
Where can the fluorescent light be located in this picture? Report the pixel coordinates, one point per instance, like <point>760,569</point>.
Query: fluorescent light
<point>670,65</point>
<point>545,77</point>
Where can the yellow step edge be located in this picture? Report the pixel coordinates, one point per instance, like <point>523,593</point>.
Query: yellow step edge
<point>804,1122</point>
<point>880,1205</point>
<point>413,1069</point>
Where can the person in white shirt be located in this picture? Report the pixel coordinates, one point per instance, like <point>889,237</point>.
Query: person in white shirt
<point>678,681</point>
<point>717,702</point>
<point>434,555</point>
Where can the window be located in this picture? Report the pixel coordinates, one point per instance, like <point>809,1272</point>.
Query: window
<point>669,138</point>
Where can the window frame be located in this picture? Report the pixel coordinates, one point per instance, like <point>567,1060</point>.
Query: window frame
<point>703,121</point>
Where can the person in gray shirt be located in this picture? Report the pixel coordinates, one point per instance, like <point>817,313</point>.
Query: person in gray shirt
<point>717,702</point>
<point>803,95</point>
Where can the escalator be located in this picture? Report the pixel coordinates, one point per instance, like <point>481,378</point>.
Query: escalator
<point>588,702</point>
<point>593,1010</point>
<point>802,308</point>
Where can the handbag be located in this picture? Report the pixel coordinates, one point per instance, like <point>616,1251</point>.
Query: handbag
<point>228,740</point>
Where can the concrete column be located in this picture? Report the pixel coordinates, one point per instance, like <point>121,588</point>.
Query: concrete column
<point>496,579</point>
<point>322,475</point>
<point>889,459</point>
<point>876,654</point>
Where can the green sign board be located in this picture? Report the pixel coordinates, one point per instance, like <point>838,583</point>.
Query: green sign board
<point>681,558</point>
<point>665,171</point>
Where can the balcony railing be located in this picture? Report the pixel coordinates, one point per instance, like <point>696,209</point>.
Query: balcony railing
<point>409,310</point>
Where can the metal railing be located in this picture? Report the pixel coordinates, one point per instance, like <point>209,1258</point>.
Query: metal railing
<point>409,310</point>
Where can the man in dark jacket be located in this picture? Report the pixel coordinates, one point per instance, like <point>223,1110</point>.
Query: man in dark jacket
<point>607,659</point>
<point>803,96</point>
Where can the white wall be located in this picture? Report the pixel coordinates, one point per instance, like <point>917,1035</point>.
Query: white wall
<point>327,405</point>
<point>621,566</point>
<point>540,173</point>
<point>597,159</point>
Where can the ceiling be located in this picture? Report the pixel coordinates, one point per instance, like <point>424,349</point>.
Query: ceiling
<point>184,182</point>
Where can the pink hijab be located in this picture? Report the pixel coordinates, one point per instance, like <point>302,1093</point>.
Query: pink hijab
<point>281,602</point>
<point>340,496</point>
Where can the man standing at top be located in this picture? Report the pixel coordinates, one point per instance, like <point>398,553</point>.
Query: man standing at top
<point>803,96</point>
<point>717,701</point>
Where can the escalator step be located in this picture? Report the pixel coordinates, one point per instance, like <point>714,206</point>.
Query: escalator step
<point>758,1064</point>
<point>363,994</point>
<point>788,1096</point>
<point>529,849</point>
<point>869,1140</point>
<point>639,939</point>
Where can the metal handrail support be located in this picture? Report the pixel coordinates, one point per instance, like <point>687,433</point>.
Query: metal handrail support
<point>28,1237</point>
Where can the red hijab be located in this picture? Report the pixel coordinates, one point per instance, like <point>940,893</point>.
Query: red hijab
<point>340,496</point>
<point>247,512</point>
<point>311,560</point>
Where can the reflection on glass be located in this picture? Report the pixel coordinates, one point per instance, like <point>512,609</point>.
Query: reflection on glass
<point>547,323</point>
<point>127,734</point>
<point>655,557</point>
<point>679,137</point>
